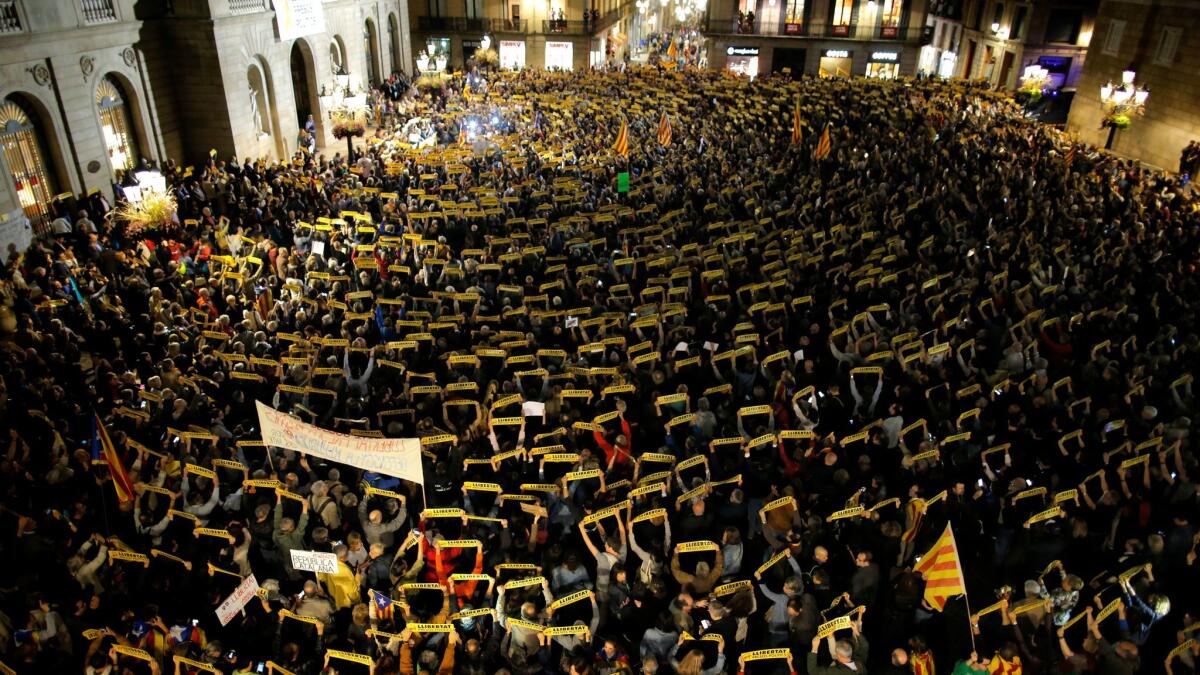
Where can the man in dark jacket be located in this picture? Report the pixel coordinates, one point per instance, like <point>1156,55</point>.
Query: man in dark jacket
<point>849,656</point>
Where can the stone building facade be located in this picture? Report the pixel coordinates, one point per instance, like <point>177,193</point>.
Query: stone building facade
<point>89,87</point>
<point>1160,41</point>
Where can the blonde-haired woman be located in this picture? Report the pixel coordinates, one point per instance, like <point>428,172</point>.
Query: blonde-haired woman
<point>693,661</point>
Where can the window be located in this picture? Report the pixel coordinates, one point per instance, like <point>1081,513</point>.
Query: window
<point>998,13</point>
<point>116,125</point>
<point>437,7</point>
<point>23,147</point>
<point>843,11</point>
<point>474,9</point>
<point>1112,41</point>
<point>891,13</point>
<point>1168,44</point>
<point>1018,24</point>
<point>1062,26</point>
<point>795,13</point>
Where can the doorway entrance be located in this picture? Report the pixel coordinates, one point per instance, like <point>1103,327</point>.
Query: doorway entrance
<point>304,89</point>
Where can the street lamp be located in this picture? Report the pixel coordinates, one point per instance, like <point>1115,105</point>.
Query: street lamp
<point>1121,103</point>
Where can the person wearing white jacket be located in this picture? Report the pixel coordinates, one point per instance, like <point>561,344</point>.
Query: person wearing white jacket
<point>84,570</point>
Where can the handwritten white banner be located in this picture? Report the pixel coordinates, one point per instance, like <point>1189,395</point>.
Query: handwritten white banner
<point>399,457</point>
<point>314,561</point>
<point>237,600</point>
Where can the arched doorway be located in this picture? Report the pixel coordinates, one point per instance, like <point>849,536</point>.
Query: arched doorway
<point>371,52</point>
<point>394,42</point>
<point>117,129</point>
<point>22,135</point>
<point>304,88</point>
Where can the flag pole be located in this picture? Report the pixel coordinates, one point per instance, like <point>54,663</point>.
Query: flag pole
<point>966,598</point>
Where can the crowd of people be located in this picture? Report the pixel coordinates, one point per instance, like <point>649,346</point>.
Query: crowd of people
<point>696,407</point>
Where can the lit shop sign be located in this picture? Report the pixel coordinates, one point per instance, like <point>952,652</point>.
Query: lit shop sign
<point>836,54</point>
<point>890,57</point>
<point>742,51</point>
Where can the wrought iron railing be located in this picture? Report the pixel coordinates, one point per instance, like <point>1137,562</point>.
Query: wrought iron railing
<point>462,24</point>
<point>740,26</point>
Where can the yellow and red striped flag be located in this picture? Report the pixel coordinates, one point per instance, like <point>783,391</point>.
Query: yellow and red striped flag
<point>672,52</point>
<point>797,134</point>
<point>621,147</point>
<point>103,450</point>
<point>942,571</point>
<point>824,145</point>
<point>664,131</point>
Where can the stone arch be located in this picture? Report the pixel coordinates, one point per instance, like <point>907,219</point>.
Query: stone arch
<point>304,87</point>
<point>24,118</point>
<point>394,38</point>
<point>139,141</point>
<point>374,74</point>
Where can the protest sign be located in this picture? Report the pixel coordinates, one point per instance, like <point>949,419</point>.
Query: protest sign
<point>237,600</point>
<point>314,561</point>
<point>399,457</point>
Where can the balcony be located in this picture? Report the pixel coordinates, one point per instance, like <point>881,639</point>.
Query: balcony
<point>247,6</point>
<point>10,18</point>
<point>462,24</point>
<point>564,27</point>
<point>98,11</point>
<point>731,26</point>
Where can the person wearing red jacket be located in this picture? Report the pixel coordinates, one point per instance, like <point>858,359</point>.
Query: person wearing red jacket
<point>619,452</point>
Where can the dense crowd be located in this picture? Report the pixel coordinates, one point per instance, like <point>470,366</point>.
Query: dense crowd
<point>676,408</point>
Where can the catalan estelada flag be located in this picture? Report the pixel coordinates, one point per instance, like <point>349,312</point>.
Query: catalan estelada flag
<point>942,571</point>
<point>621,147</point>
<point>103,449</point>
<point>823,146</point>
<point>264,302</point>
<point>914,514</point>
<point>664,131</point>
<point>797,134</point>
<point>384,609</point>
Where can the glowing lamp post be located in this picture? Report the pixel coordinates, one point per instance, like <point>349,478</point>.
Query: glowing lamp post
<point>1121,103</point>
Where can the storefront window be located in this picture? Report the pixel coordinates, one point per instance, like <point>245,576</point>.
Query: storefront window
<point>436,47</point>
<point>559,55</point>
<point>116,125</point>
<point>887,71</point>
<point>835,63</point>
<point>742,61</point>
<point>512,54</point>
<point>23,152</point>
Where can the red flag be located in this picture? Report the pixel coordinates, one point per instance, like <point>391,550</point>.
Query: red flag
<point>797,134</point>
